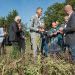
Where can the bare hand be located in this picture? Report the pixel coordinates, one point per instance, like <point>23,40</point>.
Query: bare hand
<point>55,33</point>
<point>61,29</point>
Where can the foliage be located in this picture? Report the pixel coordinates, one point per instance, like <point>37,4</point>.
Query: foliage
<point>55,12</point>
<point>24,65</point>
<point>45,66</point>
<point>6,21</point>
<point>2,21</point>
<point>71,2</point>
<point>11,16</point>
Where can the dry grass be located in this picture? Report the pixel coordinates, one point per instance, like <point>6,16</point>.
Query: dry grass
<point>24,65</point>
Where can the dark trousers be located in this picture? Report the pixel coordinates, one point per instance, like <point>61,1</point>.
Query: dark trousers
<point>44,47</point>
<point>19,45</point>
<point>22,45</point>
<point>72,51</point>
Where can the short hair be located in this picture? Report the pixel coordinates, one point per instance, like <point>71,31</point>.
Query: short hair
<point>69,6</point>
<point>17,17</point>
<point>54,23</point>
<point>39,8</point>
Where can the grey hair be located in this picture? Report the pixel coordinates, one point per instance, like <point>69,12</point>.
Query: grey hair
<point>17,17</point>
<point>38,9</point>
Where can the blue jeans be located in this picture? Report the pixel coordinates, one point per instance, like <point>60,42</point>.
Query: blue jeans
<point>44,47</point>
<point>72,50</point>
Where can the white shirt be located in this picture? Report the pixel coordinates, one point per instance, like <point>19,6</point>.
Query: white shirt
<point>70,14</point>
<point>1,32</point>
<point>1,35</point>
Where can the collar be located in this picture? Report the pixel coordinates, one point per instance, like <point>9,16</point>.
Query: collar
<point>70,14</point>
<point>37,16</point>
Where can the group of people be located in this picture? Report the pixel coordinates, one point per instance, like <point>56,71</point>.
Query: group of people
<point>60,37</point>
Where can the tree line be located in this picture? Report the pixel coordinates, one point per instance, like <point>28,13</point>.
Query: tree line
<point>5,21</point>
<point>55,12</point>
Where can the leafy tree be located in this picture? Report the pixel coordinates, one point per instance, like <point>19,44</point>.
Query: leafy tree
<point>54,13</point>
<point>2,21</point>
<point>6,21</point>
<point>71,2</point>
<point>11,16</point>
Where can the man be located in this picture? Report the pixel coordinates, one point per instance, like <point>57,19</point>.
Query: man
<point>69,31</point>
<point>67,52</point>
<point>15,31</point>
<point>34,28</point>
<point>44,41</point>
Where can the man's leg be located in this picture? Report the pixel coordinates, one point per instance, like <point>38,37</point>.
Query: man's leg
<point>15,45</point>
<point>22,46</point>
<point>15,50</point>
<point>72,50</point>
<point>31,44</point>
<point>42,46</point>
<point>0,49</point>
<point>19,45</point>
<point>34,49</point>
<point>46,48</point>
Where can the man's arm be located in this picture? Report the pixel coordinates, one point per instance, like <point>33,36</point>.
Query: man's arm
<point>32,27</point>
<point>71,28</point>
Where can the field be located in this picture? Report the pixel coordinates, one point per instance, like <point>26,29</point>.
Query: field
<point>12,63</point>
